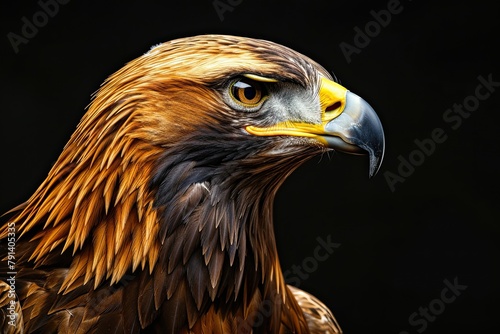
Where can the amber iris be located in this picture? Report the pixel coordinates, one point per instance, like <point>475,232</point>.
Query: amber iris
<point>247,92</point>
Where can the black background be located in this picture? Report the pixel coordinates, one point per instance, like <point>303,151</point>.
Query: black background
<point>397,247</point>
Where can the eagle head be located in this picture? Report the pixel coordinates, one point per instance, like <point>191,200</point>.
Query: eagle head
<point>168,181</point>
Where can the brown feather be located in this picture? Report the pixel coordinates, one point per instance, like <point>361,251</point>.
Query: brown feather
<point>157,215</point>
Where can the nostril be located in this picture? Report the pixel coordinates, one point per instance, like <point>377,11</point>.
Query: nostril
<point>333,107</point>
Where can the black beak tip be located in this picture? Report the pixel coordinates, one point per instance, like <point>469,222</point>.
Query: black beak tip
<point>375,163</point>
<point>376,156</point>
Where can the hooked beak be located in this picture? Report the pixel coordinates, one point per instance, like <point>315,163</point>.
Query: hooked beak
<point>357,130</point>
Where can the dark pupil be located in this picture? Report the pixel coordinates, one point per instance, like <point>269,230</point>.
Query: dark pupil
<point>248,91</point>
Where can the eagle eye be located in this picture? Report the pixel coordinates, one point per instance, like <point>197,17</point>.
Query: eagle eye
<point>246,92</point>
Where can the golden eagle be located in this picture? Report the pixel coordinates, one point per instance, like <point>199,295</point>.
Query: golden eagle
<point>157,215</point>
